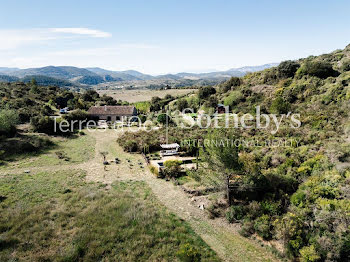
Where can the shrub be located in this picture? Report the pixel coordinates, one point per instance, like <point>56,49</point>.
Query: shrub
<point>182,104</point>
<point>309,254</point>
<point>131,146</point>
<point>168,97</point>
<point>172,168</point>
<point>233,98</point>
<point>163,119</point>
<point>211,102</point>
<point>235,213</point>
<point>270,208</point>
<point>262,226</point>
<point>77,115</point>
<point>319,69</point>
<point>143,118</point>
<point>213,211</point>
<point>188,253</point>
<point>287,69</point>
<point>205,92</point>
<point>247,228</point>
<point>154,170</point>
<point>280,106</point>
<point>232,82</point>
<point>8,121</point>
<point>43,124</point>
<point>298,198</point>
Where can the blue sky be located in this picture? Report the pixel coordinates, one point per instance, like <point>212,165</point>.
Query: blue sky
<point>168,36</point>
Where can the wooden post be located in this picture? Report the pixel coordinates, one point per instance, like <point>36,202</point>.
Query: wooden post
<point>197,153</point>
<point>229,198</point>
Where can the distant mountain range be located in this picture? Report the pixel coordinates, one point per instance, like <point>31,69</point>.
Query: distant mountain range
<point>75,76</point>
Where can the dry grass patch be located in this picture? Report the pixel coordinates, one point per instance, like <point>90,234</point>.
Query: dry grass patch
<point>59,217</point>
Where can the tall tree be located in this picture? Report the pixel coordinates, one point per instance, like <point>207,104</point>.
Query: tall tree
<point>221,155</point>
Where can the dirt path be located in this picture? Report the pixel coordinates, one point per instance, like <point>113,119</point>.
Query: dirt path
<point>219,235</point>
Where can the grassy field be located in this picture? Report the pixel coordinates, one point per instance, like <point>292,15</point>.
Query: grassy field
<point>59,217</point>
<point>139,95</point>
<point>72,150</point>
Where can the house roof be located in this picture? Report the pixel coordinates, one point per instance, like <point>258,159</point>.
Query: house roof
<point>112,110</point>
<point>167,146</point>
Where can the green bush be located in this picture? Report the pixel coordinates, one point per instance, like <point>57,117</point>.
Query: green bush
<point>154,170</point>
<point>298,198</point>
<point>229,84</point>
<point>262,227</point>
<point>182,104</point>
<point>235,213</point>
<point>309,254</point>
<point>279,106</point>
<point>131,146</point>
<point>44,124</point>
<point>247,228</point>
<point>163,119</point>
<point>211,102</point>
<point>172,168</point>
<point>319,69</point>
<point>205,92</point>
<point>233,98</point>
<point>8,121</point>
<point>287,69</point>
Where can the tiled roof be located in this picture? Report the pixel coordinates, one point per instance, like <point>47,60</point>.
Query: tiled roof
<point>112,110</point>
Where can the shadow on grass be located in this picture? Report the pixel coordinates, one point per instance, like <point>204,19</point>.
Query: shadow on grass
<point>24,145</point>
<point>5,244</point>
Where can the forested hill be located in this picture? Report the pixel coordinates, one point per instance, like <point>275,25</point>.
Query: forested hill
<point>306,198</point>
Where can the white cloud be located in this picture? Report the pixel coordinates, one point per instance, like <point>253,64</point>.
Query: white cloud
<point>81,31</point>
<point>137,46</point>
<point>15,38</point>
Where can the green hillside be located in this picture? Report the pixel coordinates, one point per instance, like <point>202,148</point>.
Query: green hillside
<point>291,184</point>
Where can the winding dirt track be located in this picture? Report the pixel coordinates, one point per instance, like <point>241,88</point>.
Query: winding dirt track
<point>219,235</point>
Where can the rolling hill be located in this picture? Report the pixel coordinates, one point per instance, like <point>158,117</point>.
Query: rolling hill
<point>75,76</point>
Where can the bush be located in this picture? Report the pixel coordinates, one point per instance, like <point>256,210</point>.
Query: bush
<point>287,69</point>
<point>188,253</point>
<point>214,211</point>
<point>131,146</point>
<point>76,115</point>
<point>22,145</point>
<point>309,254</point>
<point>280,106</point>
<point>205,92</point>
<point>319,69</point>
<point>235,213</point>
<point>163,119</point>
<point>229,84</point>
<point>211,102</point>
<point>262,226</point>
<point>182,104</point>
<point>44,124</point>
<point>233,98</point>
<point>8,121</point>
<point>172,168</point>
<point>154,170</point>
<point>345,66</point>
<point>247,228</point>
